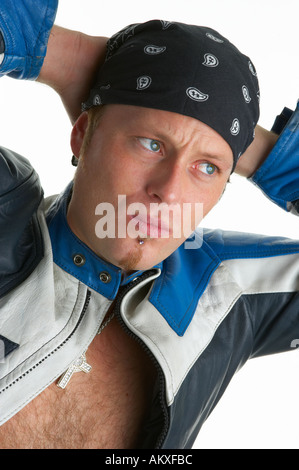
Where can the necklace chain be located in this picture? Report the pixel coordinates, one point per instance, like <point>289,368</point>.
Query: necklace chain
<point>106,323</point>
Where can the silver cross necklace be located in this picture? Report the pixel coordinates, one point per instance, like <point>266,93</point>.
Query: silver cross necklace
<point>80,364</point>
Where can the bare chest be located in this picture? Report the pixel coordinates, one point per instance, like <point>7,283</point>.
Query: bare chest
<point>104,408</point>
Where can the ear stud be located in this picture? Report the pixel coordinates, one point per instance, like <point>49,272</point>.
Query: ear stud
<point>75,160</point>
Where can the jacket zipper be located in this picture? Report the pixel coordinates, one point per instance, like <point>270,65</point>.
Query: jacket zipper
<point>86,303</point>
<point>119,299</point>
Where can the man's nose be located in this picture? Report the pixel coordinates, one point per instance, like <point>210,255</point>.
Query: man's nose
<point>166,183</point>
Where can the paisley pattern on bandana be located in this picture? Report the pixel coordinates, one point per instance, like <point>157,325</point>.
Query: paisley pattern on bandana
<point>187,69</point>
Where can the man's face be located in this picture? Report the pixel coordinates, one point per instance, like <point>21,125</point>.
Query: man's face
<point>147,159</point>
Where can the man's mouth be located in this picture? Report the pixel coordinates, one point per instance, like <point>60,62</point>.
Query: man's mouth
<point>150,227</point>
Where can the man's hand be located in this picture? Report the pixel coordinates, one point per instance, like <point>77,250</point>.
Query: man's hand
<point>70,66</point>
<point>257,152</point>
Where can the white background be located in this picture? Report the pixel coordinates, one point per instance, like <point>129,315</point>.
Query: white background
<point>260,408</point>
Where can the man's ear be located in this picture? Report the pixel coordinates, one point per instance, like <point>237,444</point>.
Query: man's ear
<point>78,133</point>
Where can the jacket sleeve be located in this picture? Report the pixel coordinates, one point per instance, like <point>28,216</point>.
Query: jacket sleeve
<point>275,311</point>
<point>25,26</point>
<point>21,246</point>
<point>278,177</point>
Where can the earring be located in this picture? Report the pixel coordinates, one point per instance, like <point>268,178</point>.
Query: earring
<point>75,160</point>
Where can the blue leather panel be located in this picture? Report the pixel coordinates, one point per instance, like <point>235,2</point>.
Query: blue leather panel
<point>186,273</point>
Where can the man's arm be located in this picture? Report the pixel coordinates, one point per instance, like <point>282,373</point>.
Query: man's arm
<point>32,48</point>
<point>70,65</point>
<point>257,152</point>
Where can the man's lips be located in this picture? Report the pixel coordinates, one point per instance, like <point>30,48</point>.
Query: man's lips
<point>150,227</point>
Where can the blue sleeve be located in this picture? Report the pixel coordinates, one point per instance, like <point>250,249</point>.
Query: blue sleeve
<point>25,26</point>
<point>278,177</point>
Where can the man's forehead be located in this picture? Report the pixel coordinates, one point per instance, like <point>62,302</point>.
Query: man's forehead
<point>166,122</point>
<point>170,128</point>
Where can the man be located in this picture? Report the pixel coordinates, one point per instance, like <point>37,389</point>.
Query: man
<point>129,340</point>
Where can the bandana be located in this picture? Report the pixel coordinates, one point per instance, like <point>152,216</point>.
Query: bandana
<point>186,69</point>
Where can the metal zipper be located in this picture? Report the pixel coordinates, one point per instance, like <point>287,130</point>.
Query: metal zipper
<point>86,303</point>
<point>161,379</point>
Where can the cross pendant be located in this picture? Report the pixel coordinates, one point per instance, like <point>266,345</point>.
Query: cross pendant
<point>79,365</point>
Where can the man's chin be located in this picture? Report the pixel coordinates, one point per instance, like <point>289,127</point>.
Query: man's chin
<point>131,262</point>
<point>139,254</point>
<point>129,255</point>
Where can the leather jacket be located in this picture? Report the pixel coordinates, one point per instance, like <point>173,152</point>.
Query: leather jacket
<point>200,314</point>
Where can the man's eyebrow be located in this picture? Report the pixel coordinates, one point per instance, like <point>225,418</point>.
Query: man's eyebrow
<point>212,155</point>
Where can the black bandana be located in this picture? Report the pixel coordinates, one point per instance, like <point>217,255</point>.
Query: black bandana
<point>186,69</point>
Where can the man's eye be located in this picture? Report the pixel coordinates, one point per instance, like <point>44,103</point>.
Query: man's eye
<point>207,168</point>
<point>150,144</point>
